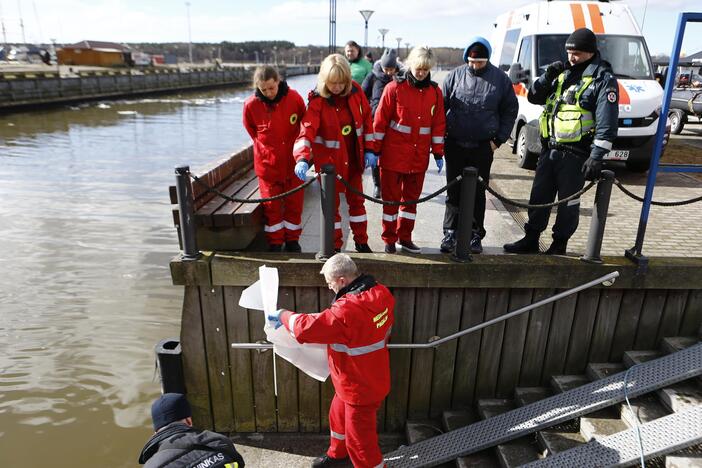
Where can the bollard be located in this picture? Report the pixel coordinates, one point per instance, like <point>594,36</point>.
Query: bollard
<point>186,213</point>
<point>599,218</point>
<point>464,232</point>
<point>170,366</point>
<point>328,212</point>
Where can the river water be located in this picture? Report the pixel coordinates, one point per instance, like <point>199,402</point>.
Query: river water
<point>86,235</point>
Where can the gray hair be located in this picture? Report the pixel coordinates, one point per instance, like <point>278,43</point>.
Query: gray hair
<point>340,265</point>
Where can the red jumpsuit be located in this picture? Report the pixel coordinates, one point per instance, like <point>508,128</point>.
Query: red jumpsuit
<point>409,123</point>
<point>356,328</point>
<point>324,139</point>
<point>273,126</point>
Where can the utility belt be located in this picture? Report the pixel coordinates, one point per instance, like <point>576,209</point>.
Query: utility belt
<point>568,149</point>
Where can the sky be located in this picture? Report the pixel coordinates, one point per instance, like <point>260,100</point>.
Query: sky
<point>417,22</point>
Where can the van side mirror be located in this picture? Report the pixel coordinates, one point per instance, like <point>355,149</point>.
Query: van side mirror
<point>517,74</point>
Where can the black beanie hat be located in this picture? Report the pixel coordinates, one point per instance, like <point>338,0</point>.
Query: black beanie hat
<point>582,39</point>
<point>170,407</point>
<point>478,51</point>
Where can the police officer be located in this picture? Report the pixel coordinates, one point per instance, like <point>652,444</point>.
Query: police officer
<point>578,126</point>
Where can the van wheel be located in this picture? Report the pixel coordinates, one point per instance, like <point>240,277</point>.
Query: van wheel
<point>638,166</point>
<point>677,121</point>
<point>525,158</point>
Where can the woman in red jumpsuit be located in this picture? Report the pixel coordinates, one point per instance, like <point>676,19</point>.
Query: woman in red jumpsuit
<point>272,118</point>
<point>409,124</point>
<point>337,129</point>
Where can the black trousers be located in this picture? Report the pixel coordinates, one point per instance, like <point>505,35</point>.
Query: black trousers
<point>557,173</point>
<point>458,157</point>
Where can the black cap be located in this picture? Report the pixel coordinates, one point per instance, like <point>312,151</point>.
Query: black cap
<point>582,39</point>
<point>170,407</point>
<point>478,51</point>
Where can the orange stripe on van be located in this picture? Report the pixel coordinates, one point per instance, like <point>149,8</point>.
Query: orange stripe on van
<point>623,95</point>
<point>596,18</point>
<point>578,16</point>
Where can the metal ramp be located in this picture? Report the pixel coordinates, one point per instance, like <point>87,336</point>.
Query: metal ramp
<point>641,379</point>
<point>660,437</point>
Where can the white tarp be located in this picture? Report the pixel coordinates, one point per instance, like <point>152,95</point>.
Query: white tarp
<point>309,358</point>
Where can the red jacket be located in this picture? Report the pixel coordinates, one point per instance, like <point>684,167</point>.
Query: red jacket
<point>356,327</point>
<point>409,123</point>
<point>320,138</point>
<point>273,126</point>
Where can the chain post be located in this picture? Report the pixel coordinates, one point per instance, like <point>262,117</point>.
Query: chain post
<point>186,213</point>
<point>599,218</point>
<point>328,211</point>
<point>465,216</point>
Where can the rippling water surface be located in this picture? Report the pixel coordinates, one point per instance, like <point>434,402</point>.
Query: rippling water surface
<point>86,235</point>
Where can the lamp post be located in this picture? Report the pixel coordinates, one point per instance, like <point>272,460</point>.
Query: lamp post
<point>407,44</point>
<point>190,40</point>
<point>4,34</point>
<point>383,32</point>
<point>366,16</point>
<point>398,39</point>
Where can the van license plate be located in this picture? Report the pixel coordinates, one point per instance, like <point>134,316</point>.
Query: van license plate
<point>618,155</point>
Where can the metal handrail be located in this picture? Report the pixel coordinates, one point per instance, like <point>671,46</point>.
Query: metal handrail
<point>606,280</point>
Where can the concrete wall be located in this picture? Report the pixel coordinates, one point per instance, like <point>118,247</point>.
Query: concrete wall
<point>19,90</point>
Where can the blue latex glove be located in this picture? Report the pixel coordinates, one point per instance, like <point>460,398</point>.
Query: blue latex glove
<point>301,169</point>
<point>371,159</point>
<point>274,318</point>
<point>439,164</point>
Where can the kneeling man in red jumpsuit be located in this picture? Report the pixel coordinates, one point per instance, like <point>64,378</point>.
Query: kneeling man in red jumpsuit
<point>356,329</point>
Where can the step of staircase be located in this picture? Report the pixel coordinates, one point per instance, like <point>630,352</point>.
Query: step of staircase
<point>601,370</point>
<point>516,452</point>
<point>422,429</point>
<point>677,343</point>
<point>455,419</point>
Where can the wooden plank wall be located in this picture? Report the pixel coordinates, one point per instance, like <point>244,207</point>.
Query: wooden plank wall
<point>232,390</point>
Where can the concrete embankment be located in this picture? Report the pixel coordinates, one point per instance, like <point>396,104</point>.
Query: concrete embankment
<point>24,89</point>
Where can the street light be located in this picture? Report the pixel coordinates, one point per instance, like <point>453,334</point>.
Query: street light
<point>190,40</point>
<point>366,16</point>
<point>398,39</point>
<point>407,44</point>
<point>383,32</point>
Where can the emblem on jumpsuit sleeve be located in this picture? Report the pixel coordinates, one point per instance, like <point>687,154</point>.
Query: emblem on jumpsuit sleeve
<point>293,119</point>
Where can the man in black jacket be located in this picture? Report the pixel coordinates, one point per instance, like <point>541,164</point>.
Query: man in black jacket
<point>177,444</point>
<point>578,128</point>
<point>481,108</point>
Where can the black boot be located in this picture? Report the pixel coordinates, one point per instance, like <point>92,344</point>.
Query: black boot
<point>376,181</point>
<point>557,247</point>
<point>293,246</point>
<point>526,245</point>
<point>326,460</point>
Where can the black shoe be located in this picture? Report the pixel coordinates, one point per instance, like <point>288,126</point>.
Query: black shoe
<point>326,460</point>
<point>293,246</point>
<point>476,246</point>
<point>337,250</point>
<point>363,248</point>
<point>526,245</point>
<point>390,248</point>
<point>558,247</point>
<point>448,243</point>
<point>275,248</point>
<point>409,246</point>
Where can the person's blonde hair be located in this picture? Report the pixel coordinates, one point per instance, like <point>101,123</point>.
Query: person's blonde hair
<point>340,265</point>
<point>334,68</point>
<point>263,74</point>
<point>421,57</point>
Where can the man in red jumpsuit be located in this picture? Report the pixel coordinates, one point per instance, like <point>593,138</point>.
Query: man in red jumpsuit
<point>356,329</point>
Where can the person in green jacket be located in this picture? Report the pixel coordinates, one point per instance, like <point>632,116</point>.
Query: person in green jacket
<point>360,67</point>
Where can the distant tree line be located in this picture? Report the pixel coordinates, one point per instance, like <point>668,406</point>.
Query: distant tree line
<point>271,52</point>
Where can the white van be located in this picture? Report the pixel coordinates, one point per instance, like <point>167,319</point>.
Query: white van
<point>526,40</point>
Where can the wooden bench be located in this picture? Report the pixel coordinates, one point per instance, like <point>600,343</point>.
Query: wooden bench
<point>222,224</point>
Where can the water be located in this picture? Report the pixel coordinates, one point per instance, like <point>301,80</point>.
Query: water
<point>86,235</point>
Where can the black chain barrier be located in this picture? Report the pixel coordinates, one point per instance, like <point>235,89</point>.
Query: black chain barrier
<point>251,200</point>
<point>621,187</point>
<point>399,203</point>
<point>509,201</point>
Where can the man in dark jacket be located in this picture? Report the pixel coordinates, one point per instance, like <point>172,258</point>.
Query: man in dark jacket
<point>481,108</point>
<point>573,148</point>
<point>177,444</point>
<point>373,86</point>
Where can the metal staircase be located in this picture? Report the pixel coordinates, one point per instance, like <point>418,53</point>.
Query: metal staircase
<point>552,426</point>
